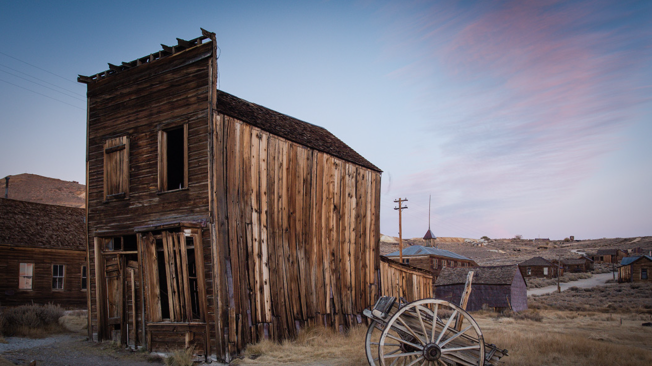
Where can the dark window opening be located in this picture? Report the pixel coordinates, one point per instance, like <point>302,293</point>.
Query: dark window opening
<point>192,279</point>
<point>644,273</point>
<point>83,278</point>
<point>162,280</point>
<point>175,159</point>
<point>129,243</point>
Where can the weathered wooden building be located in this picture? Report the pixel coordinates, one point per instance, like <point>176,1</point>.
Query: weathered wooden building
<point>214,222</point>
<point>42,254</point>
<point>613,256</point>
<point>493,287</point>
<point>539,267</point>
<point>635,269</point>
<point>576,265</point>
<point>431,259</point>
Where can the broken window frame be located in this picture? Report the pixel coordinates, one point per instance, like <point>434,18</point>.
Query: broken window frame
<point>28,278</point>
<point>58,278</point>
<point>116,168</point>
<point>163,159</point>
<point>177,276</point>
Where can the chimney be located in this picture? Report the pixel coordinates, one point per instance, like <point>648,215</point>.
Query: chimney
<point>7,186</point>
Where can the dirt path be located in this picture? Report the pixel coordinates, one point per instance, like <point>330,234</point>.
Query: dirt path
<point>596,280</point>
<point>68,350</point>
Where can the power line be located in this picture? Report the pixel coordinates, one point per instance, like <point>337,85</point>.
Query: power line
<point>47,96</point>
<point>34,77</point>
<point>49,72</point>
<point>34,82</point>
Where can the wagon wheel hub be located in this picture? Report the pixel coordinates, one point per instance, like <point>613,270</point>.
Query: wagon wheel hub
<point>431,352</point>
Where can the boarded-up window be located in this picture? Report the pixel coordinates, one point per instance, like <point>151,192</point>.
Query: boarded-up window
<point>173,158</point>
<point>57,276</point>
<point>116,168</point>
<point>25,276</point>
<point>83,278</point>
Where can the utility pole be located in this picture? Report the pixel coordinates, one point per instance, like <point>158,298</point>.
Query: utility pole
<point>558,270</point>
<point>400,208</point>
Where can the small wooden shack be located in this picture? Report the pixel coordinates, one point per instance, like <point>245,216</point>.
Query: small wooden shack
<point>42,254</point>
<point>613,256</point>
<point>493,287</point>
<point>214,222</point>
<point>432,259</point>
<point>576,265</point>
<point>538,267</point>
<point>635,269</point>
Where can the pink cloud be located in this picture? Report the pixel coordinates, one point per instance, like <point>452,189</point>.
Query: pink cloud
<point>535,94</point>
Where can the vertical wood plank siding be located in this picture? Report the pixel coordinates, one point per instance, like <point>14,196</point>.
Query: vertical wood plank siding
<point>399,280</point>
<point>300,235</point>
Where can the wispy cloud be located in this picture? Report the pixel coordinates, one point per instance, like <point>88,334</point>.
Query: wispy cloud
<point>524,97</point>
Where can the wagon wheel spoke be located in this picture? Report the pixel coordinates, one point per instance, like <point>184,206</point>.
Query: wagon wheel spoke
<point>406,342</point>
<point>423,327</point>
<point>442,344</point>
<point>406,354</point>
<point>411,331</point>
<point>448,323</point>
<point>449,350</point>
<point>434,323</point>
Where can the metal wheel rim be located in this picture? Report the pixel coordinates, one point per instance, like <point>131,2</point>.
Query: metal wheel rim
<point>449,355</point>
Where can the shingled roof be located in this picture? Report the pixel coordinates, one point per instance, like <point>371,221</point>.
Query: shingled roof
<point>629,260</point>
<point>570,262</point>
<point>290,128</point>
<point>28,224</point>
<point>489,275</point>
<point>536,261</point>
<point>421,250</point>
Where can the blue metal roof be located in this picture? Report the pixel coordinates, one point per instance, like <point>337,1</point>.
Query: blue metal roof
<point>421,250</point>
<point>627,260</point>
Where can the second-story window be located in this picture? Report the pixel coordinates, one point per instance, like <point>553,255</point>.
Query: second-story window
<point>116,168</point>
<point>173,158</point>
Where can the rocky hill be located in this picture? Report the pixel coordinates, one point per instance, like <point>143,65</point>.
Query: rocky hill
<point>36,188</point>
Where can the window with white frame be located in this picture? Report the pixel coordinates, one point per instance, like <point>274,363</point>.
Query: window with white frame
<point>58,271</point>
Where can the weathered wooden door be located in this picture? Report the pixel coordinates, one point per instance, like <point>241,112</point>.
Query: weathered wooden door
<point>115,299</point>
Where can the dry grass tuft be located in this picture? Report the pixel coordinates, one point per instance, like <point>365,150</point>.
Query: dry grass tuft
<point>313,345</point>
<point>34,321</point>
<point>180,358</point>
<point>74,323</point>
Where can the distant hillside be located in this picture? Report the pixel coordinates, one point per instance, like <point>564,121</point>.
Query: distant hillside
<point>36,188</point>
<point>512,251</point>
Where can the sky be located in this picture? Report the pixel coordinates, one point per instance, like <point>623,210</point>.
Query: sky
<point>528,118</point>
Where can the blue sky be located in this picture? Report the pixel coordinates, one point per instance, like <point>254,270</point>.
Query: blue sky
<point>518,117</point>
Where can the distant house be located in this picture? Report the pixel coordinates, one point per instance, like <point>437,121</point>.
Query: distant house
<point>609,256</point>
<point>493,287</point>
<point>432,259</point>
<point>42,254</point>
<point>538,267</point>
<point>581,264</point>
<point>635,269</point>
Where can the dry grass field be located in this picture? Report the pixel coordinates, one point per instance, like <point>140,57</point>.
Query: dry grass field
<point>560,338</point>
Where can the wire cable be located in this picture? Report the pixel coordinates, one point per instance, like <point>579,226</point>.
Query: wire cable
<point>49,72</point>
<point>34,82</point>
<point>34,77</point>
<point>47,96</point>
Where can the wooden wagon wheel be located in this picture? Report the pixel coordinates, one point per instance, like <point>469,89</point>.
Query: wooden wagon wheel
<point>371,342</point>
<point>431,332</point>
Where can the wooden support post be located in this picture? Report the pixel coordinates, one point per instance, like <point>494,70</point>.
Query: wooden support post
<point>465,299</point>
<point>400,209</point>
